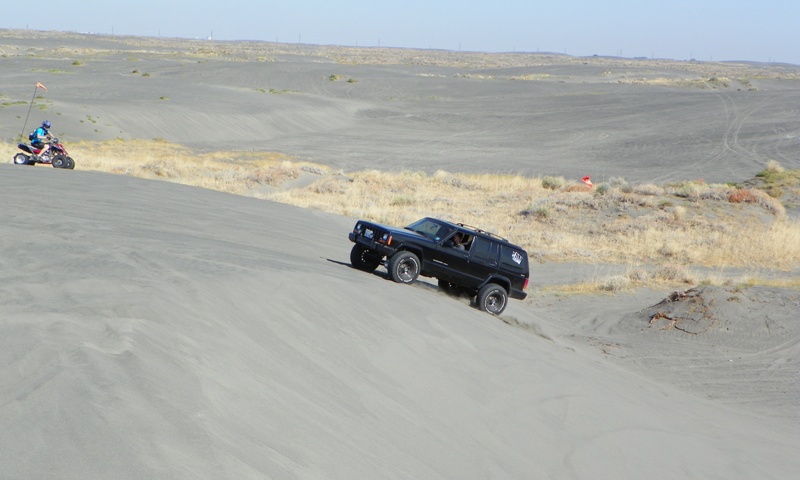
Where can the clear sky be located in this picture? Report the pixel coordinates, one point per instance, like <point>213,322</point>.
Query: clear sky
<point>757,30</point>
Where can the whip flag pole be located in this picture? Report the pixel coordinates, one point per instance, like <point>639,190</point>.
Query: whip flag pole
<point>35,89</point>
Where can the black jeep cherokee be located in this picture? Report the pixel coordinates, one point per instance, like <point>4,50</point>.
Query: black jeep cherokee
<point>482,265</point>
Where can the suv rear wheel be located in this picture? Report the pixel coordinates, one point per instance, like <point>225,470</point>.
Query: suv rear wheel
<point>364,259</point>
<point>404,267</point>
<point>492,298</point>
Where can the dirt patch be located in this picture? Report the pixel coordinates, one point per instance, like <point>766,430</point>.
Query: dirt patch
<point>741,316</point>
<point>689,312</point>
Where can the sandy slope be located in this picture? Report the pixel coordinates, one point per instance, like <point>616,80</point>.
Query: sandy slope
<point>151,330</point>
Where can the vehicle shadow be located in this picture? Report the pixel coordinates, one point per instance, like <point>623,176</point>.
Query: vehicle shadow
<point>382,273</point>
<point>423,284</point>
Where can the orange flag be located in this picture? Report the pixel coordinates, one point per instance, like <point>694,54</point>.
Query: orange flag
<point>39,85</point>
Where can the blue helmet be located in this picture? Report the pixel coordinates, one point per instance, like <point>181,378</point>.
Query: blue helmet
<point>46,124</point>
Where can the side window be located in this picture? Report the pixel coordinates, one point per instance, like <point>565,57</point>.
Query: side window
<point>484,250</point>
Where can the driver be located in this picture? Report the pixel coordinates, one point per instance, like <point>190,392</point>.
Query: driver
<point>40,138</point>
<point>456,241</point>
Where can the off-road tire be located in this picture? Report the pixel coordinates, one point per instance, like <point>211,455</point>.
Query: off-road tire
<point>22,159</point>
<point>70,164</point>
<point>404,267</point>
<point>363,258</point>
<point>60,161</point>
<point>492,299</point>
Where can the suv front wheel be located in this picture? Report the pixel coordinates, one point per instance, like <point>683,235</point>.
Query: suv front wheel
<point>364,259</point>
<point>404,267</point>
<point>492,298</point>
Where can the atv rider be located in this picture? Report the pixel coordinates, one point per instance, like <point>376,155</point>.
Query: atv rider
<point>40,137</point>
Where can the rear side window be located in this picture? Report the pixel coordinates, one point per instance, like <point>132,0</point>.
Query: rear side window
<point>513,259</point>
<point>484,250</point>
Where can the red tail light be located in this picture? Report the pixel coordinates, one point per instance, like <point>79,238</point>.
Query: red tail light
<point>525,286</point>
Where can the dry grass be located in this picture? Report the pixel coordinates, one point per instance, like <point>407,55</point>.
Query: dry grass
<point>230,172</point>
<point>669,276</point>
<point>691,223</point>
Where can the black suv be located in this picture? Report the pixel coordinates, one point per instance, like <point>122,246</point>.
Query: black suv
<point>481,264</point>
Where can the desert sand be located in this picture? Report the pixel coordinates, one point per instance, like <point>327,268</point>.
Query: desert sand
<point>154,330</point>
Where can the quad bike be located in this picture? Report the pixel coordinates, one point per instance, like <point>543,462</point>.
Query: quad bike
<point>56,156</point>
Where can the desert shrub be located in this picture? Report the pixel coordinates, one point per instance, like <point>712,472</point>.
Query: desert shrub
<point>638,274</point>
<point>273,175</point>
<point>621,184</point>
<point>669,249</point>
<point>742,195</point>
<point>313,169</point>
<point>402,200</point>
<point>540,210</point>
<point>773,166</point>
<point>579,198</point>
<point>690,190</point>
<point>678,213</point>
<point>774,172</point>
<point>647,202</point>
<point>455,181</point>
<point>774,191</point>
<point>553,183</point>
<point>617,181</point>
<point>748,195</point>
<point>578,188</point>
<point>719,81</point>
<point>648,189</point>
<point>674,273</point>
<point>651,219</point>
<point>160,169</point>
<point>602,188</point>
<point>330,186</point>
<point>718,193</point>
<point>615,283</point>
<point>769,203</point>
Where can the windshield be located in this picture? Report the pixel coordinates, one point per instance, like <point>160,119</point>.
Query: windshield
<point>431,229</point>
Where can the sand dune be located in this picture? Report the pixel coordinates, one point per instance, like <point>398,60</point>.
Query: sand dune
<point>412,110</point>
<point>153,330</point>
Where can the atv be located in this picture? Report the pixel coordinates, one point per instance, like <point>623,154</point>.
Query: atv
<point>56,156</point>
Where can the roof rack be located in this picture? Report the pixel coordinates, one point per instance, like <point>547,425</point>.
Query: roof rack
<point>482,231</point>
